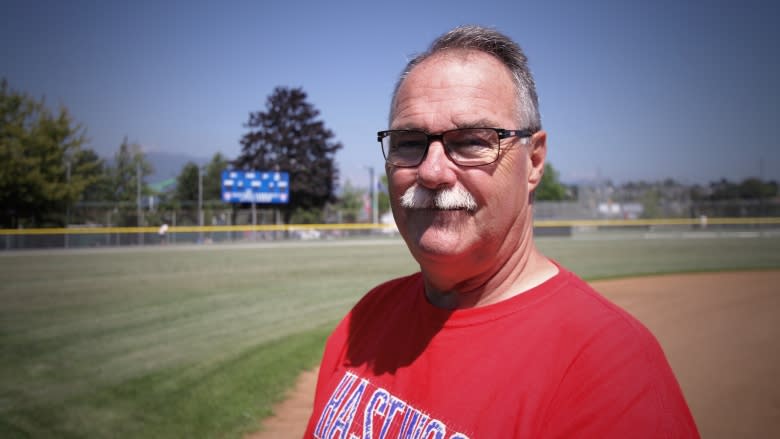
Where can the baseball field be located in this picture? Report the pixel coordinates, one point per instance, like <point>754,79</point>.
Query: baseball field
<point>203,341</point>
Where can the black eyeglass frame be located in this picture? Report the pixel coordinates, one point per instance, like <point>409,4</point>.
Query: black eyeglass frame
<point>501,132</point>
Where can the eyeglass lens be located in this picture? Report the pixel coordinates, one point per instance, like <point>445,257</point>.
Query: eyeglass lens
<point>468,146</point>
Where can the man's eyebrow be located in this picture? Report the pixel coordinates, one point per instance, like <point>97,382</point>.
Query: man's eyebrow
<point>481,123</point>
<point>407,127</point>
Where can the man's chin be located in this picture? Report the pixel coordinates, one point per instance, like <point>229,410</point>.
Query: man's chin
<point>437,241</point>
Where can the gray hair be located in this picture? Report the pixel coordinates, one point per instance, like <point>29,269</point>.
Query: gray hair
<point>493,43</point>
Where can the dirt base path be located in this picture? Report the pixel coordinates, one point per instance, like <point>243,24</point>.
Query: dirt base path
<point>720,331</point>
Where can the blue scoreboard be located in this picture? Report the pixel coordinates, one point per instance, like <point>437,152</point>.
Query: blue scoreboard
<point>255,187</point>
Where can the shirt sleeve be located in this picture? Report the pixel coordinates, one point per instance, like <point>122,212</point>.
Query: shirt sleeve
<point>619,385</point>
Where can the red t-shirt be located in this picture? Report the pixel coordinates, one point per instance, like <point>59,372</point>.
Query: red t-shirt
<point>558,360</point>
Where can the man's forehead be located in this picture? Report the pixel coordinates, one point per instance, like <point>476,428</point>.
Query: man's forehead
<point>437,65</point>
<point>471,84</point>
<point>460,56</point>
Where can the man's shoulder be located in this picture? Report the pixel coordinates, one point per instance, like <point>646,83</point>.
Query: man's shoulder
<point>596,310</point>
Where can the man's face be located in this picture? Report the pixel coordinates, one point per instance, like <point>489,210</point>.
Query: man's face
<point>457,90</point>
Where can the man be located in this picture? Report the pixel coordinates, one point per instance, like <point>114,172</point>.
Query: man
<point>491,339</point>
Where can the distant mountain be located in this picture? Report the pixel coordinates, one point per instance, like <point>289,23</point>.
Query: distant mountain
<point>169,165</point>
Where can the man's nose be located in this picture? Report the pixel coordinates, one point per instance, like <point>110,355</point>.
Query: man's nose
<point>436,170</point>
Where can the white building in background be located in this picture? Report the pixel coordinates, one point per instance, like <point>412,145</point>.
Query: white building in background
<point>389,222</point>
<point>612,210</point>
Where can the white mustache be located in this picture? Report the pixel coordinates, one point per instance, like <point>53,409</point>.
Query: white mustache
<point>417,197</point>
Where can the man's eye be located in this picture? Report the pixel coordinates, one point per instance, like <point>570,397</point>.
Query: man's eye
<point>410,144</point>
<point>471,142</point>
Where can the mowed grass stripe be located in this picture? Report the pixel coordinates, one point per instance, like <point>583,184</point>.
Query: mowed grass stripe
<point>177,308</point>
<point>633,255</point>
<point>173,342</point>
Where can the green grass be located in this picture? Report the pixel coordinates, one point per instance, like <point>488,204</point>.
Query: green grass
<point>200,342</point>
<point>633,256</point>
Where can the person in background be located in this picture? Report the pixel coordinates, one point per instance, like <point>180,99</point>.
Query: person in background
<point>491,339</point>
<point>163,233</point>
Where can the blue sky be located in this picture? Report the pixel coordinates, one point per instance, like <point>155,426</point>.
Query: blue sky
<point>628,90</point>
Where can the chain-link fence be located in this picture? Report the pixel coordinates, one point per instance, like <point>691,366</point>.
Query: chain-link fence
<point>111,225</point>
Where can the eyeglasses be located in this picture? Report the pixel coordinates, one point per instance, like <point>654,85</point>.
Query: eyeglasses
<point>464,146</point>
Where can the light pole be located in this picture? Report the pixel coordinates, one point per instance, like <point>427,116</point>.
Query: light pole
<point>67,208</point>
<point>138,201</point>
<point>200,204</point>
<point>373,193</point>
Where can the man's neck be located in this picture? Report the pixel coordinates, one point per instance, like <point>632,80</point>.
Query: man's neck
<point>523,271</point>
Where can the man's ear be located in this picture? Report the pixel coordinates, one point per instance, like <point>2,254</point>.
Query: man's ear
<point>537,156</point>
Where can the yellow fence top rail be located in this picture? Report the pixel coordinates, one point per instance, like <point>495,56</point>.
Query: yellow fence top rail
<point>368,226</point>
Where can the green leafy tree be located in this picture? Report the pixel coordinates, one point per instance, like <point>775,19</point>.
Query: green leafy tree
<point>383,198</point>
<point>212,180</point>
<point>550,188</point>
<point>130,164</point>
<point>128,161</point>
<point>756,189</point>
<point>288,137</point>
<point>308,216</point>
<point>749,189</point>
<point>95,171</point>
<point>42,167</point>
<point>187,183</point>
<point>186,191</point>
<point>90,206</point>
<point>187,180</point>
<point>724,190</point>
<point>186,194</point>
<point>350,203</point>
<point>651,204</point>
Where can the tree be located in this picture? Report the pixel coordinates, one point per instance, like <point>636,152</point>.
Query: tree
<point>383,199</point>
<point>212,180</point>
<point>350,203</point>
<point>550,188</point>
<point>749,189</point>
<point>128,161</point>
<point>187,188</point>
<point>651,204</point>
<point>756,189</point>
<point>42,168</point>
<point>187,183</point>
<point>724,190</point>
<point>93,168</point>
<point>288,137</point>
<point>187,180</point>
<point>130,164</point>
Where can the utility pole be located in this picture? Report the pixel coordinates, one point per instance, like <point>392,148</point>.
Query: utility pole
<point>374,196</point>
<point>67,209</point>
<point>138,194</point>
<point>200,204</point>
<point>138,201</point>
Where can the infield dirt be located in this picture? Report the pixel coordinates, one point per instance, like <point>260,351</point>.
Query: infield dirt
<point>720,332</point>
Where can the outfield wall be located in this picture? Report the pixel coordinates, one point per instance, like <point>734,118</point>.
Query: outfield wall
<point>81,237</point>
